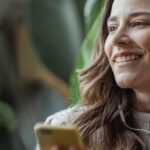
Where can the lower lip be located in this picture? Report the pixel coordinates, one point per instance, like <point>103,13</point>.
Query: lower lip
<point>128,63</point>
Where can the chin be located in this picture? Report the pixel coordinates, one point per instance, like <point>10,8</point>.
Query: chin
<point>123,86</point>
<point>124,83</point>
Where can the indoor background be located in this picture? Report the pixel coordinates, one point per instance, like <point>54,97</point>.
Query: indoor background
<point>39,44</point>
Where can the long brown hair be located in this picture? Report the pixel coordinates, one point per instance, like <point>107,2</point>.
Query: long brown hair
<point>101,126</point>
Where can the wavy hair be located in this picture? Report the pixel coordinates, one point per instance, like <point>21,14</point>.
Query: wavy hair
<point>101,126</point>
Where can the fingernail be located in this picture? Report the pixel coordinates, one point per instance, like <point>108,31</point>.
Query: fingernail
<point>55,148</point>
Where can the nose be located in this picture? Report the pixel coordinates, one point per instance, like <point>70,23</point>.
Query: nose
<point>121,37</point>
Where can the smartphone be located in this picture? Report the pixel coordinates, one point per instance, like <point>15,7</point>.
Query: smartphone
<point>64,136</point>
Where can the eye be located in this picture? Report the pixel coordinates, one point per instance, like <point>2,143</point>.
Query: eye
<point>112,28</point>
<point>139,24</point>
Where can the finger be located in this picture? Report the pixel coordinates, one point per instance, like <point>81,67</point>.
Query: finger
<point>55,148</point>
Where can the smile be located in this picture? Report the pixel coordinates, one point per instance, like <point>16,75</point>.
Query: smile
<point>122,59</point>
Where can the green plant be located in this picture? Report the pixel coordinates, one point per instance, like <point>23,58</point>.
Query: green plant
<point>7,117</point>
<point>87,46</point>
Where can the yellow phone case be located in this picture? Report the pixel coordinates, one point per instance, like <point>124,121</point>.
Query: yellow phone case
<point>65,136</point>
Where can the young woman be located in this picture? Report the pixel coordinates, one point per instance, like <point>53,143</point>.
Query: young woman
<point>115,88</point>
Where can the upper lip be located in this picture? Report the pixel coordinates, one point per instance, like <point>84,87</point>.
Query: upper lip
<point>121,54</point>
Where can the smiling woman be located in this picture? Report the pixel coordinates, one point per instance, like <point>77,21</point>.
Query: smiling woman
<point>127,45</point>
<point>115,109</point>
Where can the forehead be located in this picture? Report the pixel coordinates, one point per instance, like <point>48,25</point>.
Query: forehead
<point>124,7</point>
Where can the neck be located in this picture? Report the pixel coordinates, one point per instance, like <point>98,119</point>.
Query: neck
<point>142,101</point>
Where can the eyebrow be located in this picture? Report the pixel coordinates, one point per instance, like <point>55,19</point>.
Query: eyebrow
<point>132,14</point>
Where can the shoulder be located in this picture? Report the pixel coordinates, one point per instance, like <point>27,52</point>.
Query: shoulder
<point>65,116</point>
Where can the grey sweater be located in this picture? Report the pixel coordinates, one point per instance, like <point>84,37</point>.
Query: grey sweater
<point>64,117</point>
<point>143,122</point>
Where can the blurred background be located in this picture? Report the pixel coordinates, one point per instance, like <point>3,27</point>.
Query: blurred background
<point>39,45</point>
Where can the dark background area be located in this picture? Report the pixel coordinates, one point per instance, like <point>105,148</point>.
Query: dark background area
<point>39,44</point>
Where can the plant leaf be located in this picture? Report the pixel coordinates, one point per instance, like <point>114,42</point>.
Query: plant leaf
<point>91,10</point>
<point>84,58</point>
<point>7,117</point>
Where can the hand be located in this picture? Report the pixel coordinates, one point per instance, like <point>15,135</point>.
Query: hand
<point>59,148</point>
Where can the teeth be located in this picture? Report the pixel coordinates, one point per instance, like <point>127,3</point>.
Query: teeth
<point>126,58</point>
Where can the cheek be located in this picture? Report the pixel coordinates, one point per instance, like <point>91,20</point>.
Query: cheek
<point>108,52</point>
<point>107,48</point>
<point>143,40</point>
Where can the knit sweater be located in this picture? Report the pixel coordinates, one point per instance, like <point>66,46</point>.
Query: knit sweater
<point>143,122</point>
<point>64,117</point>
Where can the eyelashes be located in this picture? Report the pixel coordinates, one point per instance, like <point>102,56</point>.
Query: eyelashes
<point>140,24</point>
<point>135,24</point>
<point>112,28</point>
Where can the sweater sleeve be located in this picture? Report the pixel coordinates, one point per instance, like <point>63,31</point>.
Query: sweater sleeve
<point>59,118</point>
<point>65,116</point>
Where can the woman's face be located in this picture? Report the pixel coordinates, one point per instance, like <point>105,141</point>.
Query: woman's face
<point>128,43</point>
